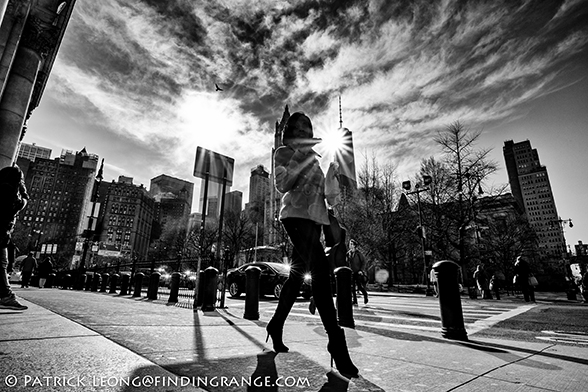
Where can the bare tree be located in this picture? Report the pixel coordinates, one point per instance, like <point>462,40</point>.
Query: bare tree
<point>467,170</point>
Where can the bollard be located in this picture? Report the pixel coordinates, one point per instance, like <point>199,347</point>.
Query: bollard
<point>449,300</point>
<point>88,282</point>
<point>209,289</point>
<point>252,277</point>
<point>153,285</point>
<point>50,281</point>
<point>138,284</point>
<point>200,289</point>
<point>124,284</point>
<point>65,281</point>
<point>174,287</point>
<point>113,283</point>
<point>80,283</point>
<point>104,283</point>
<point>343,277</point>
<point>95,282</point>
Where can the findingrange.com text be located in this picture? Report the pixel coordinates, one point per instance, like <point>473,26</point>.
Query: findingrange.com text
<point>153,381</point>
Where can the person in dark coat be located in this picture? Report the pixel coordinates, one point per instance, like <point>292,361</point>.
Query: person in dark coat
<point>522,271</point>
<point>481,281</point>
<point>13,198</point>
<point>28,266</point>
<point>356,261</point>
<point>299,177</point>
<point>45,269</point>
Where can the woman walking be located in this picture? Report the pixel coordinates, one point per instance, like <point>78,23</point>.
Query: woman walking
<point>303,214</point>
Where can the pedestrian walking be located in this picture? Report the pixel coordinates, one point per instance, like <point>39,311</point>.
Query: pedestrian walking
<point>583,284</point>
<point>299,177</point>
<point>28,266</point>
<point>45,269</point>
<point>356,261</point>
<point>13,198</point>
<point>433,280</point>
<point>496,281</point>
<point>482,282</point>
<point>521,279</point>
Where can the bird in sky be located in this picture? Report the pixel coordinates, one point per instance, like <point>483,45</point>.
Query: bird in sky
<point>217,87</point>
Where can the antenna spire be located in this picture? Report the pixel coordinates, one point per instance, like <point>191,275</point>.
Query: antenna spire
<point>340,114</point>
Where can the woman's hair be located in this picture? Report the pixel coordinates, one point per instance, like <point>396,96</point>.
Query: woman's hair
<point>11,175</point>
<point>292,133</point>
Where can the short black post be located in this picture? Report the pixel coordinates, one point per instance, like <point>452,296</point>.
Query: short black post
<point>65,281</point>
<point>50,281</point>
<point>104,284</point>
<point>153,285</point>
<point>124,284</point>
<point>210,287</point>
<point>200,289</point>
<point>81,282</point>
<point>88,282</point>
<point>252,277</point>
<point>138,284</point>
<point>174,288</point>
<point>343,276</point>
<point>452,324</point>
<point>95,281</point>
<point>113,283</point>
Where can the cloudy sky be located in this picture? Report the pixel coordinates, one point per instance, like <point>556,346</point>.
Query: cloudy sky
<point>134,82</point>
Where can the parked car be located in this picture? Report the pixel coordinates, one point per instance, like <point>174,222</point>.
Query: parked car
<point>272,279</point>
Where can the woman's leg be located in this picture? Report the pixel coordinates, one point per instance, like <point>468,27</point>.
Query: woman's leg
<point>305,236</point>
<point>291,289</point>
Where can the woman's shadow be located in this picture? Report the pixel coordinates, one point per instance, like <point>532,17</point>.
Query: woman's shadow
<point>265,377</point>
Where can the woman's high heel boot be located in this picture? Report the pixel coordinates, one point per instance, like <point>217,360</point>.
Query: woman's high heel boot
<point>337,347</point>
<point>275,331</point>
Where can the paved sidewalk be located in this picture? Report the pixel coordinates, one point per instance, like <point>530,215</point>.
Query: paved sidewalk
<point>86,341</point>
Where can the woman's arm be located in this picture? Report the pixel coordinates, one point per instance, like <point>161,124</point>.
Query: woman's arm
<point>289,163</point>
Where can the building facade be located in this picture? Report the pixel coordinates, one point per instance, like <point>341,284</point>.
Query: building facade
<point>234,202</point>
<point>32,151</point>
<point>60,192</point>
<point>125,219</point>
<point>530,186</point>
<point>174,199</point>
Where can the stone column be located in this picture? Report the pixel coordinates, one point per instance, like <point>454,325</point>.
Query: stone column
<point>15,101</point>
<point>3,4</point>
<point>38,38</point>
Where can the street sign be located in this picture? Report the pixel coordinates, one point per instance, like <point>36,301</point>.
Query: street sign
<point>218,167</point>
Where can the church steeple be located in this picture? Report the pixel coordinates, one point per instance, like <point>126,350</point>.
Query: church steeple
<point>280,127</point>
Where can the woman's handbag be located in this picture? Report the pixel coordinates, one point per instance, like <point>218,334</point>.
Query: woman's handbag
<point>533,281</point>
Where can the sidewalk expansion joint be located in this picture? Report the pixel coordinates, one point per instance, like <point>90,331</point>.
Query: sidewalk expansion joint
<point>503,366</point>
<point>51,338</point>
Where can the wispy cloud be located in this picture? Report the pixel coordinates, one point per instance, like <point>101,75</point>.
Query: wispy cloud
<point>146,69</point>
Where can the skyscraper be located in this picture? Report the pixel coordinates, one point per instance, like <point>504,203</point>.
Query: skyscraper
<point>346,160</point>
<point>529,183</point>
<point>259,184</point>
<point>345,157</point>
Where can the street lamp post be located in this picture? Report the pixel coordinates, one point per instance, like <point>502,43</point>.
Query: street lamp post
<point>561,223</point>
<point>89,232</point>
<point>421,229</point>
